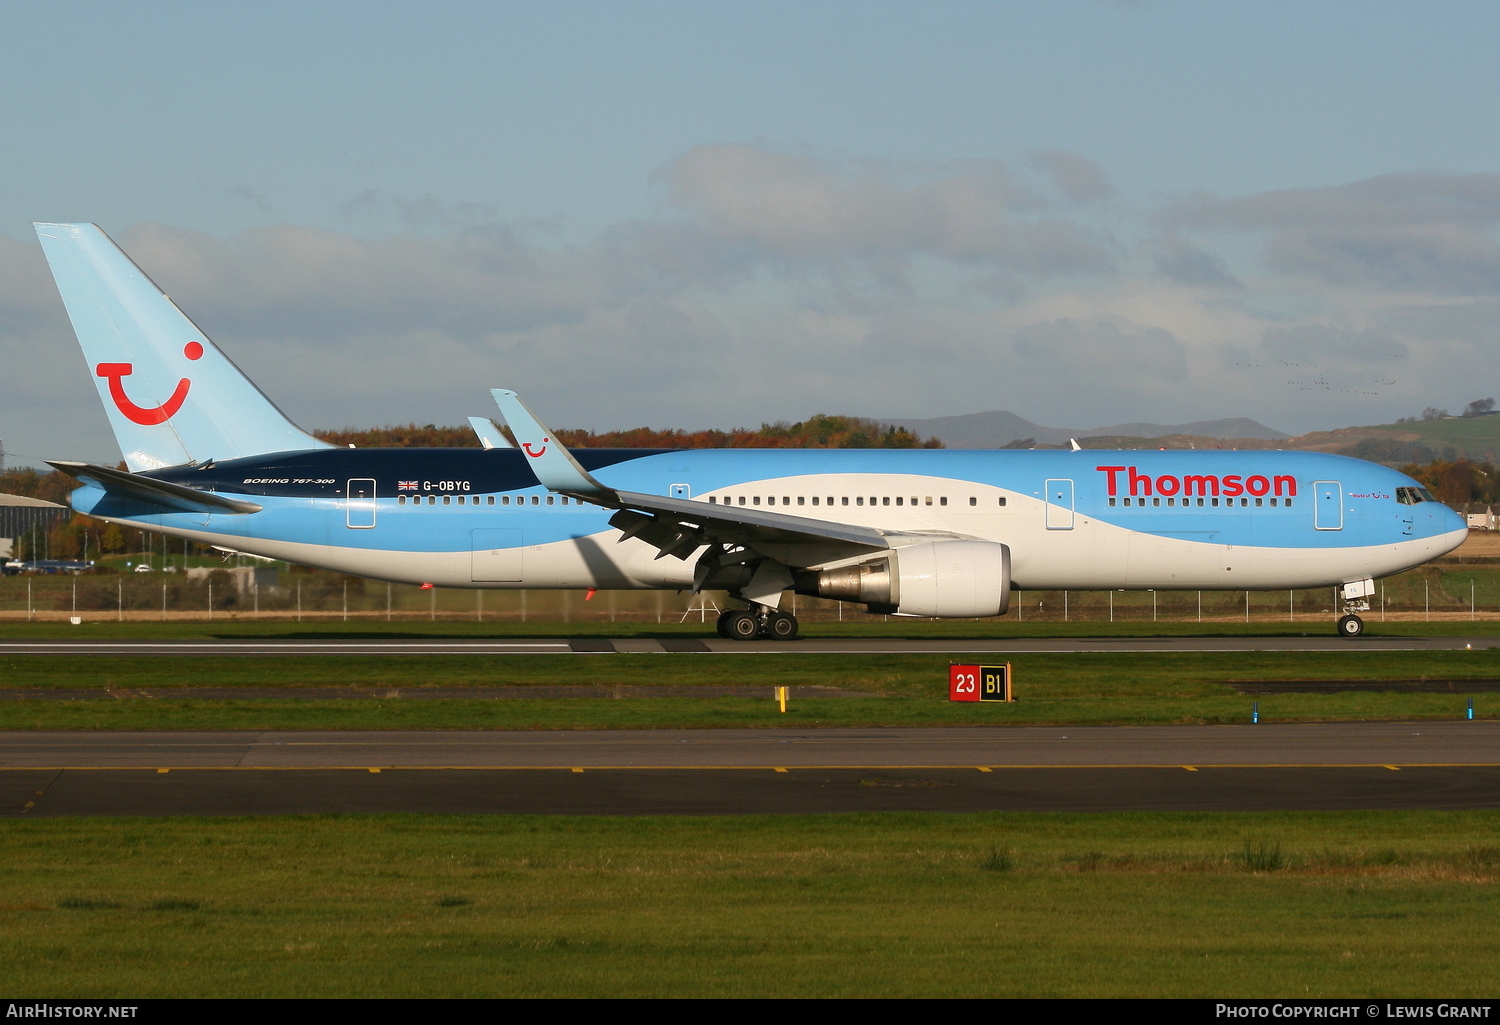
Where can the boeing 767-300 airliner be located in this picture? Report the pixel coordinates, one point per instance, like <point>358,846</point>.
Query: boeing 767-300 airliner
<point>920,532</point>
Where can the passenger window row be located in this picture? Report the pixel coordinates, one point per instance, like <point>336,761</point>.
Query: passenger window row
<point>490,500</point>
<point>1228,502</point>
<point>858,500</point>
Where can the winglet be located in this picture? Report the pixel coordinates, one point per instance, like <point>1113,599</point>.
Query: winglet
<point>553,464</point>
<point>1073,444</point>
<point>489,435</point>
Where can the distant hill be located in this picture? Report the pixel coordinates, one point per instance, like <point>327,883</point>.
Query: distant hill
<point>1476,438</point>
<point>999,428</point>
<point>1421,441</point>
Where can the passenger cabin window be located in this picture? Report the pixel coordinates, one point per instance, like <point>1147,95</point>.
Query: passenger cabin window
<point>943,500</point>
<point>973,500</point>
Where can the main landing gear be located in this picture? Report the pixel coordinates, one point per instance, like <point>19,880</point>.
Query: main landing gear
<point>757,622</point>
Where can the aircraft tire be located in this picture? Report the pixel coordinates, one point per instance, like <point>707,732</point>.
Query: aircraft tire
<point>740,625</point>
<point>1351,626</point>
<point>781,626</point>
<point>722,623</point>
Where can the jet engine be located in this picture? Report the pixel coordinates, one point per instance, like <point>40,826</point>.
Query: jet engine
<point>953,579</point>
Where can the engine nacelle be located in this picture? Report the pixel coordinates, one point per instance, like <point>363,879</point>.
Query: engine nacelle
<point>952,579</point>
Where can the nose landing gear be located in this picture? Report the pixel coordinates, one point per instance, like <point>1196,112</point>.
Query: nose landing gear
<point>1356,595</point>
<point>755,623</point>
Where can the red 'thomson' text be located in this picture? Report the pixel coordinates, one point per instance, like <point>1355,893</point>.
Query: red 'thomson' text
<point>1229,485</point>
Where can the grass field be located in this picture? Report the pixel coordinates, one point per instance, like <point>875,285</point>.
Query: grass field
<point>895,690</point>
<point>1442,625</point>
<point>1357,904</point>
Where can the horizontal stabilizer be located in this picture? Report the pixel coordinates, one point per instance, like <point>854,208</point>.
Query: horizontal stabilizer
<point>151,491</point>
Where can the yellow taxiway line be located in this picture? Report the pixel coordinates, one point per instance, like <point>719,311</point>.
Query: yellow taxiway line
<point>739,768</point>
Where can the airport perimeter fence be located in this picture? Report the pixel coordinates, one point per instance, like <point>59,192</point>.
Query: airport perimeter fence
<point>1433,593</point>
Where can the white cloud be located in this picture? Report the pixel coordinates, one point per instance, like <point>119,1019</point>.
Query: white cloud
<point>784,285</point>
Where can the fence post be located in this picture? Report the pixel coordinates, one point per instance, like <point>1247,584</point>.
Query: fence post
<point>432,605</point>
<point>387,601</point>
<point>1382,601</point>
<point>478,606</point>
<point>299,600</point>
<point>1200,606</point>
<point>523,606</point>
<point>1289,615</point>
<point>1065,606</point>
<point>1111,606</point>
<point>1247,606</point>
<point>1153,605</point>
<point>164,599</point>
<point>210,599</point>
<point>1427,600</point>
<point>120,600</point>
<point>346,601</point>
<point>75,596</point>
<point>28,597</point>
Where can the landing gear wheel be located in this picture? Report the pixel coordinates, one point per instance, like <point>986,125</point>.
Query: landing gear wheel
<point>740,625</point>
<point>1351,626</point>
<point>781,626</point>
<point>722,623</point>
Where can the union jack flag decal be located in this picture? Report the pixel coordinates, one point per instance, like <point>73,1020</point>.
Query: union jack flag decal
<point>406,485</point>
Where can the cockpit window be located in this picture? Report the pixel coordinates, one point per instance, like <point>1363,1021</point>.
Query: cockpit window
<point>1411,496</point>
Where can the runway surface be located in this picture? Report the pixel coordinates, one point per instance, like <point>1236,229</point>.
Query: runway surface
<point>1205,768</point>
<point>693,645</point>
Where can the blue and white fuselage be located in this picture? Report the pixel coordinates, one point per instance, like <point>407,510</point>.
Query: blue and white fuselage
<point>918,532</point>
<point>1074,538</point>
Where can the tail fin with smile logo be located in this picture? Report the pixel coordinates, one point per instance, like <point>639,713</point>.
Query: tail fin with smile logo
<point>172,397</point>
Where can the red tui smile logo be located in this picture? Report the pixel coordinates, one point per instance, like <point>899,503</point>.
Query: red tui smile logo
<point>114,374</point>
<point>539,452</point>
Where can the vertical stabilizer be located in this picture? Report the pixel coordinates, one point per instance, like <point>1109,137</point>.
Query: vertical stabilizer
<point>172,397</point>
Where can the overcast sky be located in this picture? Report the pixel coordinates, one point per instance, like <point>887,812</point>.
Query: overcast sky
<point>693,214</point>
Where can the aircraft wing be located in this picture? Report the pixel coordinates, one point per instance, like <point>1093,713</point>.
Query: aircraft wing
<point>678,526</point>
<point>133,486</point>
